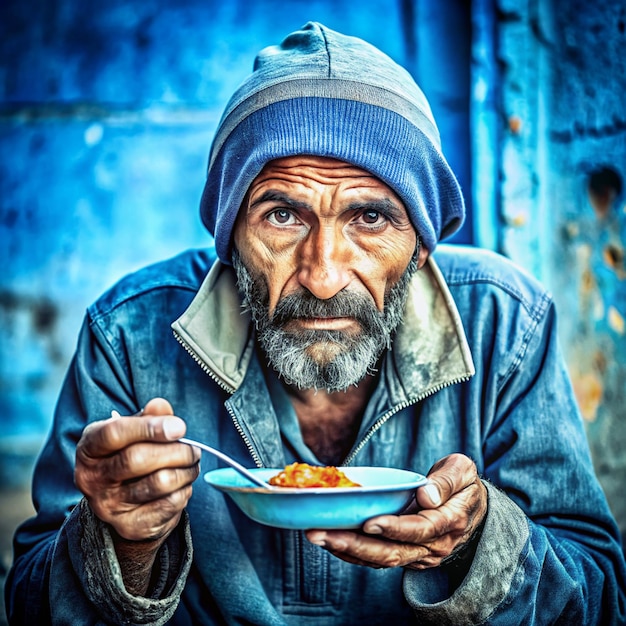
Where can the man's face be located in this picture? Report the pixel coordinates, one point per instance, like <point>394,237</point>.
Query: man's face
<point>324,254</point>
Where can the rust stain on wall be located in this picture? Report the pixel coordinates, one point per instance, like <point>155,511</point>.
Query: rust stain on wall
<point>588,389</point>
<point>591,303</point>
<point>613,256</point>
<point>515,124</point>
<point>588,383</point>
<point>605,185</point>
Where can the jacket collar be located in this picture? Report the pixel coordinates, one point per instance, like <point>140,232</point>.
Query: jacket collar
<point>430,350</point>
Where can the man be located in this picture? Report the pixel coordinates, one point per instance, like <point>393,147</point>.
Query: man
<point>361,344</point>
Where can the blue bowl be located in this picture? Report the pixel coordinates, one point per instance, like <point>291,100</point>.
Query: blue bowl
<point>384,490</point>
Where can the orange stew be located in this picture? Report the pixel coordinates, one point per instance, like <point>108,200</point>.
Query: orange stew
<point>305,475</point>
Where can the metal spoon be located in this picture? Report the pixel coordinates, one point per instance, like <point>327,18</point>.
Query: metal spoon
<point>229,461</point>
<point>220,455</point>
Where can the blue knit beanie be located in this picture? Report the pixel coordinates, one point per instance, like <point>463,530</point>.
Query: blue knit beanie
<point>326,94</point>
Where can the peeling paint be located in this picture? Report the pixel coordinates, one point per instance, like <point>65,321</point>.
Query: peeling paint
<point>613,256</point>
<point>518,220</point>
<point>515,124</point>
<point>567,170</point>
<point>616,320</point>
<point>589,390</point>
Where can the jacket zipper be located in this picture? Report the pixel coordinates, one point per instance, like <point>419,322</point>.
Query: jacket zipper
<point>368,435</point>
<point>375,427</point>
<point>226,387</point>
<point>203,366</point>
<point>253,453</point>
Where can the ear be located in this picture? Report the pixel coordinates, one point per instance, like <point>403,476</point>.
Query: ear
<point>422,255</point>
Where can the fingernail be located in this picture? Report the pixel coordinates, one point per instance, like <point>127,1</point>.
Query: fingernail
<point>433,493</point>
<point>373,529</point>
<point>317,539</point>
<point>173,428</point>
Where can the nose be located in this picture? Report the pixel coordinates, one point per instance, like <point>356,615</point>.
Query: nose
<point>323,266</point>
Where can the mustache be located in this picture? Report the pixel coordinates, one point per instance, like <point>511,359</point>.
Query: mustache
<point>304,305</point>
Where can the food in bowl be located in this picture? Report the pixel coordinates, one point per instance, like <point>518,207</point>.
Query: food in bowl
<point>303,475</point>
<point>384,491</point>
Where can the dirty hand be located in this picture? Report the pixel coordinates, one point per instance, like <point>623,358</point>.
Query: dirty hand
<point>447,512</point>
<point>133,475</point>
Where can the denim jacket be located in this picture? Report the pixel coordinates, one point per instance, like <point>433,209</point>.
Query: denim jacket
<point>474,368</point>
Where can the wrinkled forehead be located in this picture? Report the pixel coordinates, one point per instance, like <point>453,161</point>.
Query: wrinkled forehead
<point>323,170</point>
<point>320,168</point>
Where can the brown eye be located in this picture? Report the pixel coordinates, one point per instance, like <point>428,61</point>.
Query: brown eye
<point>371,217</point>
<point>280,216</point>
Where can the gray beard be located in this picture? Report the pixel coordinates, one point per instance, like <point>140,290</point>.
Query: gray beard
<point>346,358</point>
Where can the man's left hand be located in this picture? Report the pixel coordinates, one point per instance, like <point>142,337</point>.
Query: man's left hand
<point>444,516</point>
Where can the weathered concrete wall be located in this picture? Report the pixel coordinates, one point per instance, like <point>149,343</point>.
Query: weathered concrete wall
<point>562,202</point>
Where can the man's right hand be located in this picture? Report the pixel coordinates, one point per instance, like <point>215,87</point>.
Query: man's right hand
<point>135,476</point>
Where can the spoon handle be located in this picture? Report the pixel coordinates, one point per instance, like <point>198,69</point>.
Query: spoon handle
<point>224,457</point>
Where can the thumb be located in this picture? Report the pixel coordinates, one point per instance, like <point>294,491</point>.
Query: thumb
<point>158,406</point>
<point>431,490</point>
<point>446,477</point>
<point>173,427</point>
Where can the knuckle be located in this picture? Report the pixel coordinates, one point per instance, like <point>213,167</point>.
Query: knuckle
<point>430,561</point>
<point>154,427</point>
<point>410,554</point>
<point>395,558</point>
<point>429,525</point>
<point>134,456</point>
<point>164,480</point>
<point>176,501</point>
<point>111,433</point>
<point>446,483</point>
<point>169,481</point>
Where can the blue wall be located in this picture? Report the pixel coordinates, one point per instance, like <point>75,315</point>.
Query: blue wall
<point>562,196</point>
<point>107,110</point>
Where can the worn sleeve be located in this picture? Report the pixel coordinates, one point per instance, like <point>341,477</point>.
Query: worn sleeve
<point>550,550</point>
<point>490,574</point>
<point>64,569</point>
<point>101,578</point>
